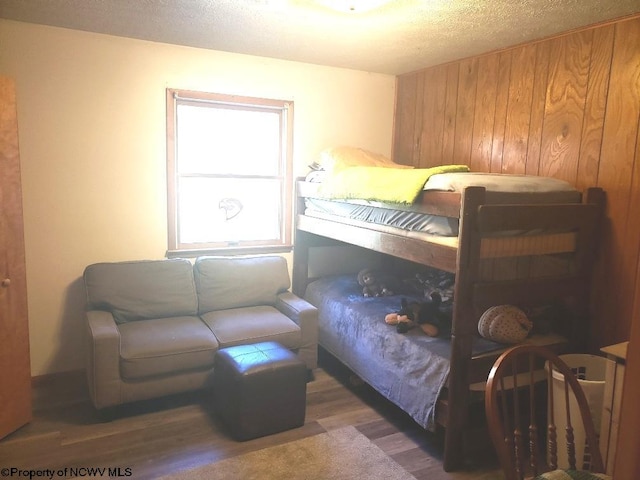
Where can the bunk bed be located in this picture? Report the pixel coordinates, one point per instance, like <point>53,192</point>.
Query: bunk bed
<point>486,227</point>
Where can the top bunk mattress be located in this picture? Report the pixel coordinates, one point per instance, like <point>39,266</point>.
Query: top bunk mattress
<point>507,188</point>
<point>500,189</point>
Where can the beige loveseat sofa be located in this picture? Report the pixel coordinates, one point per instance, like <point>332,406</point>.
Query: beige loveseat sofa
<point>153,327</point>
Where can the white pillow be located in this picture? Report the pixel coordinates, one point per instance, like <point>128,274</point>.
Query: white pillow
<point>504,324</point>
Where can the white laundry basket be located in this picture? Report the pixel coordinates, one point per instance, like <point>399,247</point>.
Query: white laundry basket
<point>590,370</point>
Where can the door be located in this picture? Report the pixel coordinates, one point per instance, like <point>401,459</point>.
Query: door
<point>627,461</point>
<point>15,373</point>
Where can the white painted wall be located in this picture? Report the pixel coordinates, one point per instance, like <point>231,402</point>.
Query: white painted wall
<point>91,113</point>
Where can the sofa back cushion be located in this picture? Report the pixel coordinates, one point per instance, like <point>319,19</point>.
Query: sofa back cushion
<point>233,282</point>
<point>142,289</point>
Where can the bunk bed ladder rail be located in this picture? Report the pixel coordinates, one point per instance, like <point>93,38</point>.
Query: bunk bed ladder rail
<point>474,295</point>
<point>464,326</point>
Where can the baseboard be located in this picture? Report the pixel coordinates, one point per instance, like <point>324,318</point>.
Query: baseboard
<point>59,389</point>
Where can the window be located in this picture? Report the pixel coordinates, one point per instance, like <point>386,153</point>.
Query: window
<point>229,172</point>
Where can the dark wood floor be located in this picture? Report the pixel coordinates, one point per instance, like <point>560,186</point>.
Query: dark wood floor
<point>161,436</point>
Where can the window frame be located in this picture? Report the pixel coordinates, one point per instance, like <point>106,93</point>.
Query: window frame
<point>174,97</point>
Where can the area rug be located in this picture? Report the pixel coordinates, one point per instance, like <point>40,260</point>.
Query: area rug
<point>343,454</point>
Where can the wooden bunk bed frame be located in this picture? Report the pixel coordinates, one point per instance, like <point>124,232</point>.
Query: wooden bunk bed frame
<point>478,222</point>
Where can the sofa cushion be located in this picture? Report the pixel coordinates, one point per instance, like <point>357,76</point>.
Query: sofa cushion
<point>165,345</point>
<point>142,289</point>
<point>232,282</point>
<point>241,326</point>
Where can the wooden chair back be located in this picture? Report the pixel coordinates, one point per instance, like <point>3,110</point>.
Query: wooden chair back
<point>522,428</point>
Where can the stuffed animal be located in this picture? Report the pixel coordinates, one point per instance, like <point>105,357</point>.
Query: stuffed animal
<point>425,315</point>
<point>402,322</point>
<point>373,283</point>
<point>433,280</point>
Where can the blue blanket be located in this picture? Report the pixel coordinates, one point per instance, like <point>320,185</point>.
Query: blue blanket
<point>409,369</point>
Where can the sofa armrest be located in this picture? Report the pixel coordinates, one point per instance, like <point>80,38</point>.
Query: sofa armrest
<point>305,316</point>
<point>103,359</point>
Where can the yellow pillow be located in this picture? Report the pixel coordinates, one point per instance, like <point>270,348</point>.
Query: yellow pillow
<point>336,159</point>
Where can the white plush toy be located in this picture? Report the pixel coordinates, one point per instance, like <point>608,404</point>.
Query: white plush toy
<point>504,324</point>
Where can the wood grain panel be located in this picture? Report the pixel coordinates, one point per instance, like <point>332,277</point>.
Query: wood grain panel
<point>427,141</point>
<point>566,92</point>
<point>626,68</point>
<point>580,92</point>
<point>595,104</point>
<point>616,168</point>
<point>516,135</point>
<point>538,102</point>
<point>450,109</point>
<point>467,86</point>
<point>433,106</point>
<point>417,124</point>
<point>502,100</point>
<point>404,119</point>
<point>484,113</point>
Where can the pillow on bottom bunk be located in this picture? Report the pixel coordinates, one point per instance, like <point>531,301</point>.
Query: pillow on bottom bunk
<point>504,324</point>
<point>572,475</point>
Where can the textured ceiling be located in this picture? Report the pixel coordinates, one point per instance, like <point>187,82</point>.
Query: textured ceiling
<point>399,37</point>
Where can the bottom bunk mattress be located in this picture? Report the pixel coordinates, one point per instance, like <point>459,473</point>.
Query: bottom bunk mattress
<point>410,369</point>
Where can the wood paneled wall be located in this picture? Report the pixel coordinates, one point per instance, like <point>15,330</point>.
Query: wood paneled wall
<point>566,107</point>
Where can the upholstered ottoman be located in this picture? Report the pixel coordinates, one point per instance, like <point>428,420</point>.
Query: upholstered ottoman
<point>259,389</point>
